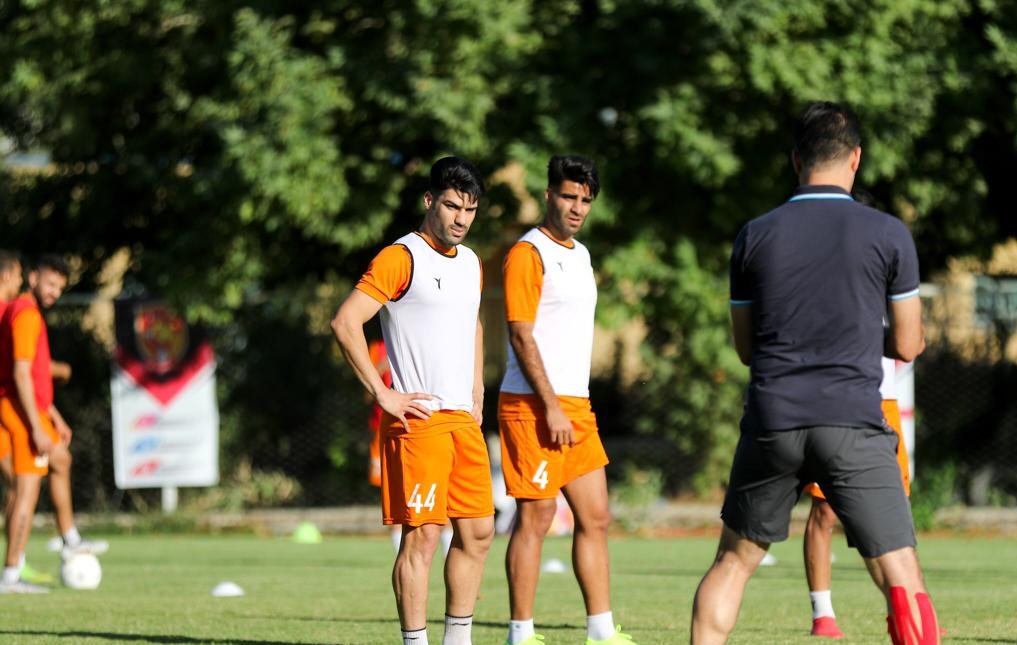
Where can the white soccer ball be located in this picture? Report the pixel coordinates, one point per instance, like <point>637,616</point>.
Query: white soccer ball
<point>81,571</point>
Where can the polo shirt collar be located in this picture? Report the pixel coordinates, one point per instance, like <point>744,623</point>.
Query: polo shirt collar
<point>813,192</point>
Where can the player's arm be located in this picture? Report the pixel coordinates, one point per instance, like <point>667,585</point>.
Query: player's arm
<point>904,338</point>
<point>62,428</point>
<point>60,372</point>
<point>387,278</point>
<point>524,280</point>
<point>741,298</point>
<point>348,326</point>
<point>478,375</point>
<point>530,362</point>
<point>741,329</point>
<point>26,397</point>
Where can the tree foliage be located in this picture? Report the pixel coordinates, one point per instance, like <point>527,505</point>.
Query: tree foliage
<point>247,152</point>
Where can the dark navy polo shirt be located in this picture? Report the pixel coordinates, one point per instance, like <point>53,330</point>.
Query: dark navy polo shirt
<point>817,272</point>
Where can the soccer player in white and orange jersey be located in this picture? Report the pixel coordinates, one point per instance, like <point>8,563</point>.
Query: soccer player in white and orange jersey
<point>819,526</point>
<point>550,441</point>
<point>434,460</point>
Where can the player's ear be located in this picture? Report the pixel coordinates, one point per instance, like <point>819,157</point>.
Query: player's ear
<point>856,158</point>
<point>428,200</point>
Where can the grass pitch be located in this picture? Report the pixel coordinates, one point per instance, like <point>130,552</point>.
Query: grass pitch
<point>156,589</point>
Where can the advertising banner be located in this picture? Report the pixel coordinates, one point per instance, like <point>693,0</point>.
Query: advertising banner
<point>165,415</point>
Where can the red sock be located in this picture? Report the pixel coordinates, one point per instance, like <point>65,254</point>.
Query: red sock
<point>901,623</point>
<point>891,628</point>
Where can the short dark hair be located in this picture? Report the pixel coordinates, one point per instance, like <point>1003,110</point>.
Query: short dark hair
<point>456,173</point>
<point>8,259</point>
<point>575,168</point>
<point>53,262</point>
<point>823,132</point>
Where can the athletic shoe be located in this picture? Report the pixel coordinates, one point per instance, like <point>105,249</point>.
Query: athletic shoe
<point>22,587</point>
<point>32,575</point>
<point>826,626</point>
<point>95,547</point>
<point>618,639</point>
<point>536,639</point>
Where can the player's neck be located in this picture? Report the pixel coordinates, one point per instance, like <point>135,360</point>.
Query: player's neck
<point>839,178</point>
<point>433,242</point>
<point>557,236</point>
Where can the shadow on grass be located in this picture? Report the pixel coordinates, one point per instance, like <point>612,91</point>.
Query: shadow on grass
<point>74,636</point>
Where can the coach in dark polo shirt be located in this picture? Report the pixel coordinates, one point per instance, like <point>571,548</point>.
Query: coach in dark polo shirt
<point>811,284</point>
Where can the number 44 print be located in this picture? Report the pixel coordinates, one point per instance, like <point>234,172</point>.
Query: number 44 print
<point>416,502</point>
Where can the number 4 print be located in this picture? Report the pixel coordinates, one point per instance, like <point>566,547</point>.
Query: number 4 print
<point>540,477</point>
<point>415,498</point>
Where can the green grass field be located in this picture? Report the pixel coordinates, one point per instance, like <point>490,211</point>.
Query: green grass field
<point>156,589</point>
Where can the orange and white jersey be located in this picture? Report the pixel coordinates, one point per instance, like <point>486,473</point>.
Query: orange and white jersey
<point>551,284</point>
<point>888,388</point>
<point>429,318</point>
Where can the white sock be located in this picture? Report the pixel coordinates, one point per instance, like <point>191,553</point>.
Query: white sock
<point>415,637</point>
<point>600,627</point>
<point>822,605</point>
<point>72,537</point>
<point>21,562</point>
<point>520,630</point>
<point>446,539</point>
<point>457,630</point>
<point>11,575</point>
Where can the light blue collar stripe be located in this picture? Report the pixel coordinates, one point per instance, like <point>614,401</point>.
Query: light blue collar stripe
<point>804,196</point>
<point>740,303</point>
<point>905,295</point>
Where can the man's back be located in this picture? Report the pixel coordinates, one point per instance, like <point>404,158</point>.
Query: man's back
<point>818,271</point>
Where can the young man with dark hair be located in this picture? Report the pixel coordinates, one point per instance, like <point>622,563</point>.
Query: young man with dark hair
<point>434,460</point>
<point>549,434</point>
<point>811,282</point>
<point>38,432</point>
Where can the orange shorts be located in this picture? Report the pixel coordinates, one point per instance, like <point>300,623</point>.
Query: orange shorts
<point>533,467</point>
<point>26,460</point>
<point>436,471</point>
<point>891,412</point>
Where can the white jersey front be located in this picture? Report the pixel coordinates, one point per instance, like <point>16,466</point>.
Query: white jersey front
<point>430,330</point>
<point>563,329</point>
<point>888,388</point>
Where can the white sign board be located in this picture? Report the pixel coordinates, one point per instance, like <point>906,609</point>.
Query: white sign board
<point>158,444</point>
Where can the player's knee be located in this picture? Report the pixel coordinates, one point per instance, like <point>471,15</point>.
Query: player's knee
<point>60,461</point>
<point>827,517</point>
<point>477,540</point>
<point>421,541</point>
<point>536,515</point>
<point>594,520</point>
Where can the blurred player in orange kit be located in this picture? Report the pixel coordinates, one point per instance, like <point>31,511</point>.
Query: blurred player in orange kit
<point>38,433</point>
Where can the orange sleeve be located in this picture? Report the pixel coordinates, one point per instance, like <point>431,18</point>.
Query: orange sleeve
<point>389,274</point>
<point>25,329</point>
<point>524,279</point>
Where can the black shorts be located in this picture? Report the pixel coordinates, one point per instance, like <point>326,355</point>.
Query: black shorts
<point>856,468</point>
